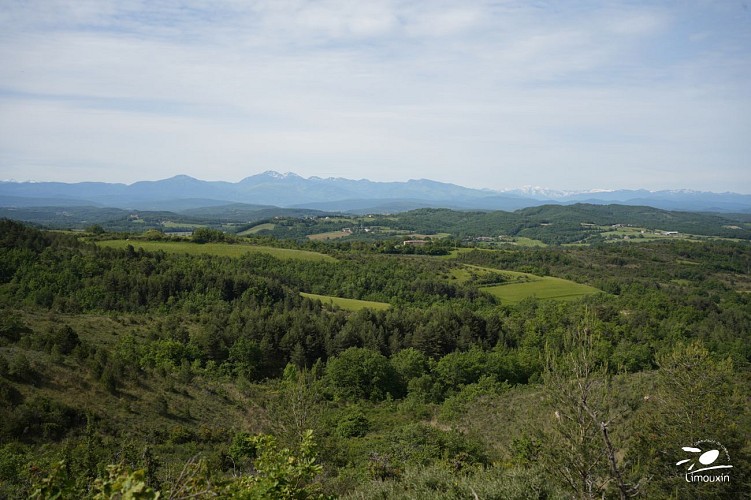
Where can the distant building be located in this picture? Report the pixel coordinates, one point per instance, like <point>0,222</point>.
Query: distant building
<point>416,243</point>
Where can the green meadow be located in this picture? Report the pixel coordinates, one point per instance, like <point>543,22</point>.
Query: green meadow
<point>519,286</point>
<point>330,235</point>
<point>220,249</point>
<point>347,304</point>
<point>542,287</point>
<point>255,229</point>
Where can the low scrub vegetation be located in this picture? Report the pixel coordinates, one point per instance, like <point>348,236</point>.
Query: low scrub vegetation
<point>139,369</point>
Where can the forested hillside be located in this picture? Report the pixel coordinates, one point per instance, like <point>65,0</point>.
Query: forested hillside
<point>195,374</point>
<point>547,224</point>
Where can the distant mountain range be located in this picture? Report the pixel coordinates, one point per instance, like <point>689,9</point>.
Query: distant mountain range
<point>290,190</point>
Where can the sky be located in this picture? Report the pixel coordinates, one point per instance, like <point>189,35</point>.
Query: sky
<point>571,95</point>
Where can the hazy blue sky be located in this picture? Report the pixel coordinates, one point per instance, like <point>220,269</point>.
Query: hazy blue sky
<point>496,94</point>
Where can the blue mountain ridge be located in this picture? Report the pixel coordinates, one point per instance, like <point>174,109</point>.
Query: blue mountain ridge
<point>291,190</point>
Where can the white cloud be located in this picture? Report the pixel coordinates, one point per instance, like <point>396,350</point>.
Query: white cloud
<point>457,91</point>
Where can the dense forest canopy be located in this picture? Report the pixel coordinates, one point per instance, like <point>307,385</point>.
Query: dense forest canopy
<point>203,374</point>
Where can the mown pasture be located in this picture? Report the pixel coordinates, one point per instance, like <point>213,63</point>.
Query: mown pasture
<point>330,235</point>
<point>220,249</point>
<point>347,304</point>
<point>541,287</point>
<point>519,286</point>
<point>267,226</point>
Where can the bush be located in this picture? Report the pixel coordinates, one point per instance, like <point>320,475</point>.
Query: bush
<point>208,235</point>
<point>353,423</point>
<point>410,363</point>
<point>280,473</point>
<point>20,369</point>
<point>420,444</point>
<point>359,373</point>
<point>44,418</point>
<point>11,327</point>
<point>9,395</point>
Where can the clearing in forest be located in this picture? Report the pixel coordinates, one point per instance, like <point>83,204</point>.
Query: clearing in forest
<point>519,286</point>
<point>255,229</point>
<point>348,304</point>
<point>543,287</point>
<point>330,235</point>
<point>220,249</point>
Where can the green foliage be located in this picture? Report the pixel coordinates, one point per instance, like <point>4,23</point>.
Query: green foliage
<point>242,450</point>
<point>12,327</point>
<point>122,483</point>
<point>56,485</point>
<point>461,402</point>
<point>439,481</point>
<point>579,449</point>
<point>420,444</point>
<point>359,373</point>
<point>410,364</point>
<point>697,397</point>
<point>352,423</point>
<point>208,235</point>
<point>161,341</point>
<point>21,369</point>
<point>297,405</point>
<point>280,473</point>
<point>41,418</point>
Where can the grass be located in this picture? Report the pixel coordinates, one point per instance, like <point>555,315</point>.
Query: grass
<point>640,234</point>
<point>458,251</point>
<point>527,242</point>
<point>465,273</point>
<point>171,224</point>
<point>219,249</point>
<point>543,287</point>
<point>420,236</point>
<point>328,236</point>
<point>520,286</point>
<point>203,402</point>
<point>347,304</point>
<point>255,229</point>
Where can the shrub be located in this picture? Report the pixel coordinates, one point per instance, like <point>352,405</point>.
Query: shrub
<point>359,373</point>
<point>353,423</point>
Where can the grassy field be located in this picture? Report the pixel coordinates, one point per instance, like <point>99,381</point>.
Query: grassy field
<point>170,224</point>
<point>221,249</point>
<point>420,236</point>
<point>331,235</point>
<point>348,304</point>
<point>255,229</point>
<point>543,287</point>
<point>458,251</point>
<point>641,234</point>
<point>520,286</point>
<point>467,271</point>
<point>527,242</point>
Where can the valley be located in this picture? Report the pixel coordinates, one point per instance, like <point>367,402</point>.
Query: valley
<point>427,356</point>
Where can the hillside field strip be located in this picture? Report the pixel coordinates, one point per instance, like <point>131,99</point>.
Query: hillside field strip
<point>220,249</point>
<point>525,285</point>
<point>347,304</point>
<point>330,235</point>
<point>255,229</point>
<point>543,288</point>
